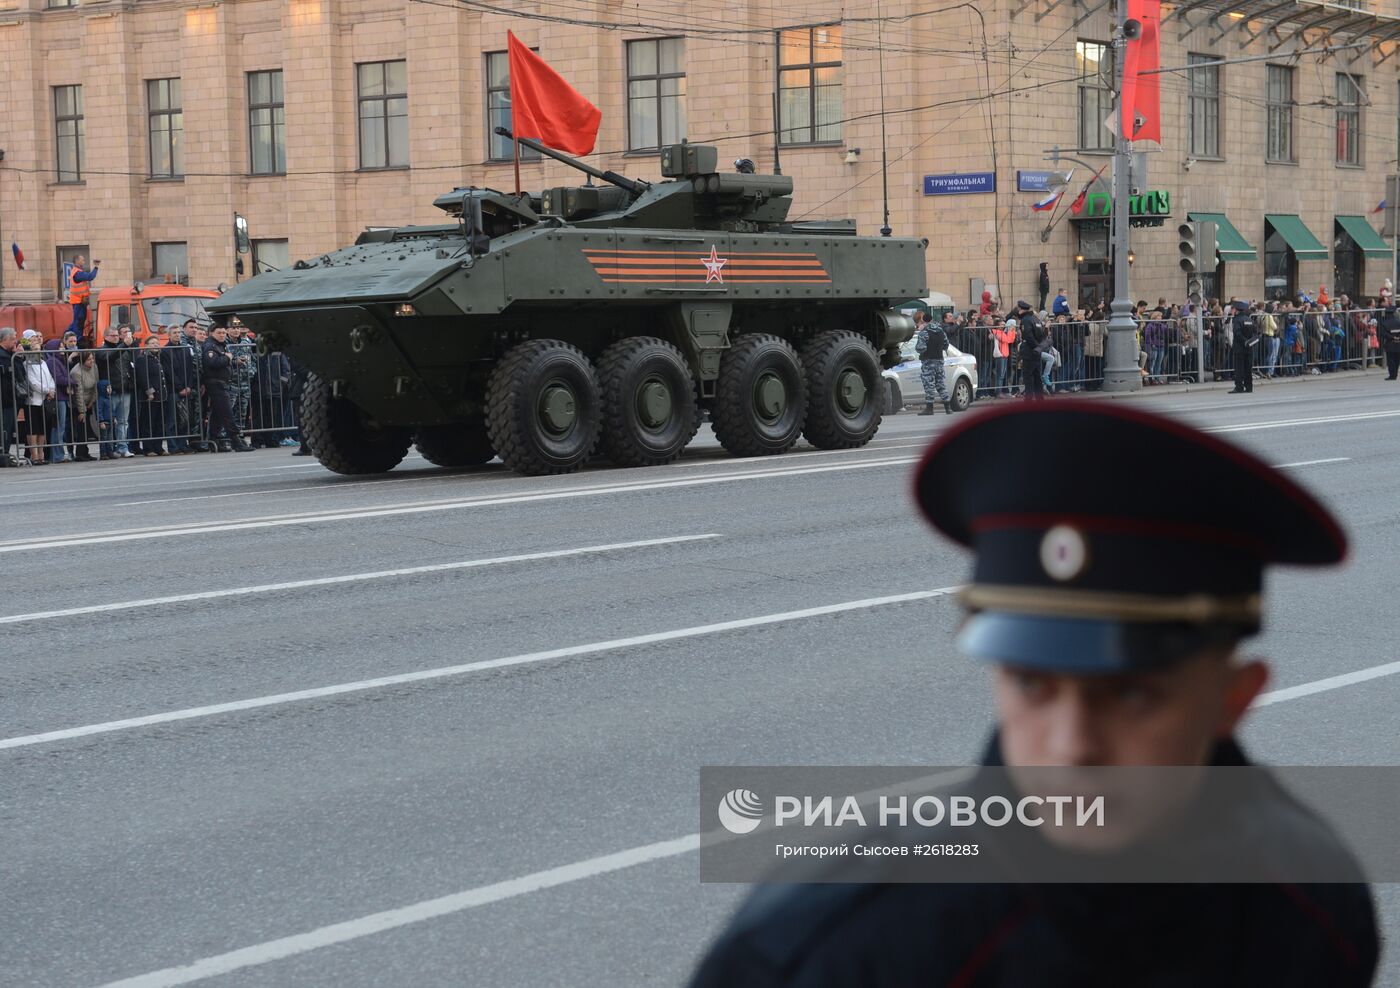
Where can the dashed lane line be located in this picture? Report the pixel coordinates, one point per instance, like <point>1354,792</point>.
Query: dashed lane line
<point>328,581</point>
<point>443,672</point>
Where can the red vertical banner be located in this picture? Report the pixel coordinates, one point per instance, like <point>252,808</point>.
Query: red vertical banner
<point>1141,101</point>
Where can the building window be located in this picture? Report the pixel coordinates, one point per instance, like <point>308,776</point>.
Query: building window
<point>1348,119</point>
<point>269,255</point>
<point>170,262</point>
<point>498,109</point>
<point>68,132</point>
<point>1280,113</point>
<point>1280,266</point>
<point>383,97</point>
<point>1203,110</point>
<point>655,93</point>
<point>54,4</point>
<point>809,84</point>
<point>267,123</point>
<point>1094,63</point>
<point>167,128</point>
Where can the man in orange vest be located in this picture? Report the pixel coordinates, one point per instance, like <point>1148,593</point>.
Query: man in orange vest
<point>79,289</point>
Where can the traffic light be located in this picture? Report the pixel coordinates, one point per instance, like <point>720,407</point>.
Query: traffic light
<point>1196,247</point>
<point>1189,247</point>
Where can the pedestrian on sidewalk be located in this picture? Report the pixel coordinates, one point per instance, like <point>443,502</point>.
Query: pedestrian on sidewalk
<point>82,404</point>
<point>41,405</point>
<point>1388,332</point>
<point>151,392</point>
<point>58,367</point>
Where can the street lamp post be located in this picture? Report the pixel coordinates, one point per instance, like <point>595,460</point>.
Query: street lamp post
<point>1121,356</point>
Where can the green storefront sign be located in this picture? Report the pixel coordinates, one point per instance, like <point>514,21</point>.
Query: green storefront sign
<point>1146,209</point>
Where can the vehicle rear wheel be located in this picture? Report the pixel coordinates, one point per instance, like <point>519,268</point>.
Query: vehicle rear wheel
<point>460,444</point>
<point>760,397</point>
<point>962,395</point>
<point>845,396</point>
<point>649,412</point>
<point>343,438</point>
<point>542,408</point>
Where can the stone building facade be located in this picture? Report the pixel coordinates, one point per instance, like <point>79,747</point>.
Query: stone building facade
<point>314,119</point>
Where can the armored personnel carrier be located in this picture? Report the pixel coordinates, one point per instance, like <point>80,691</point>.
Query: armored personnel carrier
<point>545,327</point>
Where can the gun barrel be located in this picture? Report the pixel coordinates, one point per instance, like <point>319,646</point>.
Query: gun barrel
<point>636,188</point>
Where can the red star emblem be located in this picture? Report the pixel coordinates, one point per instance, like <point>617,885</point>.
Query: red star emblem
<point>714,266</point>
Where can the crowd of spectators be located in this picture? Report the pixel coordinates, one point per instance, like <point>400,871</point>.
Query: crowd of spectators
<point>62,399</point>
<point>1303,336</point>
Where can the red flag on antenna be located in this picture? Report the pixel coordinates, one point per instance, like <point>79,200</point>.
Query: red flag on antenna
<point>545,107</point>
<point>1142,92</point>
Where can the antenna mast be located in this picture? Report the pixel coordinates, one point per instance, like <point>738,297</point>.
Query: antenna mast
<point>885,230</point>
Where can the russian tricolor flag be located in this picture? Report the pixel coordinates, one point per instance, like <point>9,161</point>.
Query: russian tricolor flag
<point>19,254</point>
<point>1379,208</point>
<point>1048,202</point>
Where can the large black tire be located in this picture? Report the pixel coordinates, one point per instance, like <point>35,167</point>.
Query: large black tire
<point>760,397</point>
<point>543,410</point>
<point>341,436</point>
<point>649,407</point>
<point>461,444</point>
<point>845,392</point>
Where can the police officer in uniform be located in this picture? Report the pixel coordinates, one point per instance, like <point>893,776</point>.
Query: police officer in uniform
<point>931,344</point>
<point>216,365</point>
<point>1034,342</point>
<point>1388,332</point>
<point>1246,332</point>
<point>1108,609</point>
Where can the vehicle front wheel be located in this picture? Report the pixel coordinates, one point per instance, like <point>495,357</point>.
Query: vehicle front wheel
<point>543,408</point>
<point>343,437</point>
<point>962,395</point>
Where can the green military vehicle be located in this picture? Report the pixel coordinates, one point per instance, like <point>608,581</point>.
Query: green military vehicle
<point>595,318</point>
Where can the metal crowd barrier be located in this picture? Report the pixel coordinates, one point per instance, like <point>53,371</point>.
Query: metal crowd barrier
<point>1177,350</point>
<point>156,406</point>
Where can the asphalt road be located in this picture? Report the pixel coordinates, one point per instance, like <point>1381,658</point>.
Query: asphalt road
<point>263,725</point>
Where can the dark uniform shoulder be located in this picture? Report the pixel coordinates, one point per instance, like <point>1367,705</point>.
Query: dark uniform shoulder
<point>805,936</point>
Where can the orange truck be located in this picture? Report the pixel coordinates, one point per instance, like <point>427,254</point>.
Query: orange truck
<point>146,308</point>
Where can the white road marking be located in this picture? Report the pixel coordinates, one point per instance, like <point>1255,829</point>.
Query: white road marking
<point>485,895</point>
<point>308,518</point>
<point>337,485</point>
<point>1312,463</point>
<point>97,538</point>
<point>1330,683</point>
<point>273,950</point>
<point>1284,424</point>
<point>327,581</point>
<point>442,672</point>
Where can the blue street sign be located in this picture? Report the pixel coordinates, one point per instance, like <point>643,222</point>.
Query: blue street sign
<point>956,185</point>
<point>1033,181</point>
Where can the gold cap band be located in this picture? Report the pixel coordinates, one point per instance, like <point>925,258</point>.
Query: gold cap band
<point>1069,603</point>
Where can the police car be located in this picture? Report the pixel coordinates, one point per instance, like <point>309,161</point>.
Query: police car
<point>904,386</point>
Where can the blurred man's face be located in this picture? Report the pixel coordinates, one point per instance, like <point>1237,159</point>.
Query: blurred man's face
<point>1168,717</point>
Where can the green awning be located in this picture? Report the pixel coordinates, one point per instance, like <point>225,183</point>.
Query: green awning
<point>1228,241</point>
<point>1298,236</point>
<point>1365,236</point>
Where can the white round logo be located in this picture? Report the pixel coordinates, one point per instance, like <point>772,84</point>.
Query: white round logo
<point>1063,553</point>
<point>741,811</point>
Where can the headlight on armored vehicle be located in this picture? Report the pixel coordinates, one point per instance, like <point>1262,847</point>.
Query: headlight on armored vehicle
<point>405,309</point>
